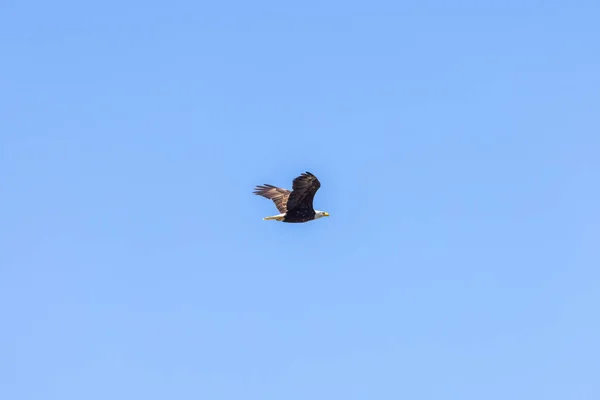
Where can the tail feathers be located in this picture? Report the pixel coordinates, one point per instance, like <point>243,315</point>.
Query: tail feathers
<point>275,217</point>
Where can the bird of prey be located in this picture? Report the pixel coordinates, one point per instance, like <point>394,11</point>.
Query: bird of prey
<point>295,205</point>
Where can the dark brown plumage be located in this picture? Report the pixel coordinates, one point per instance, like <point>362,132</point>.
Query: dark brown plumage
<point>296,205</point>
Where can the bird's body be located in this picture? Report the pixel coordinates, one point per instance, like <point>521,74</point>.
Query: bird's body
<point>295,205</point>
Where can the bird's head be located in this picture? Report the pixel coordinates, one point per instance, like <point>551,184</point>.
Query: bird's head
<point>320,214</point>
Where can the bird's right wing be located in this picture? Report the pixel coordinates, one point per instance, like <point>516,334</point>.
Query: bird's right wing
<point>278,195</point>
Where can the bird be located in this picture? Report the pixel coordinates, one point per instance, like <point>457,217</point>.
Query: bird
<point>295,206</point>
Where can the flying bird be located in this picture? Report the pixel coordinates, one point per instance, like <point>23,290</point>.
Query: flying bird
<point>295,205</point>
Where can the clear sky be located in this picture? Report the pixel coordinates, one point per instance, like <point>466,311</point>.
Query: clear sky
<point>457,144</point>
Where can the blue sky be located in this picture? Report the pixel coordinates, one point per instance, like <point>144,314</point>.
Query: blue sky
<point>457,146</point>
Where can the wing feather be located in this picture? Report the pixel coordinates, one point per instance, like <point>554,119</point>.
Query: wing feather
<point>303,192</point>
<point>278,195</point>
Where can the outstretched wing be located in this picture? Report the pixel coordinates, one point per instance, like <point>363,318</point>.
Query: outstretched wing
<point>303,192</point>
<point>278,195</point>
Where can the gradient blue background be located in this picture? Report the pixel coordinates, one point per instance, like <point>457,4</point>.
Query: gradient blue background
<point>458,148</point>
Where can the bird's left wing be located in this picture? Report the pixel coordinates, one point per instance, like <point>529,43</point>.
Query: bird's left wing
<point>303,191</point>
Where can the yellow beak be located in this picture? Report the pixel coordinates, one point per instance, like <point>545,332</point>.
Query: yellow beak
<point>326,214</point>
